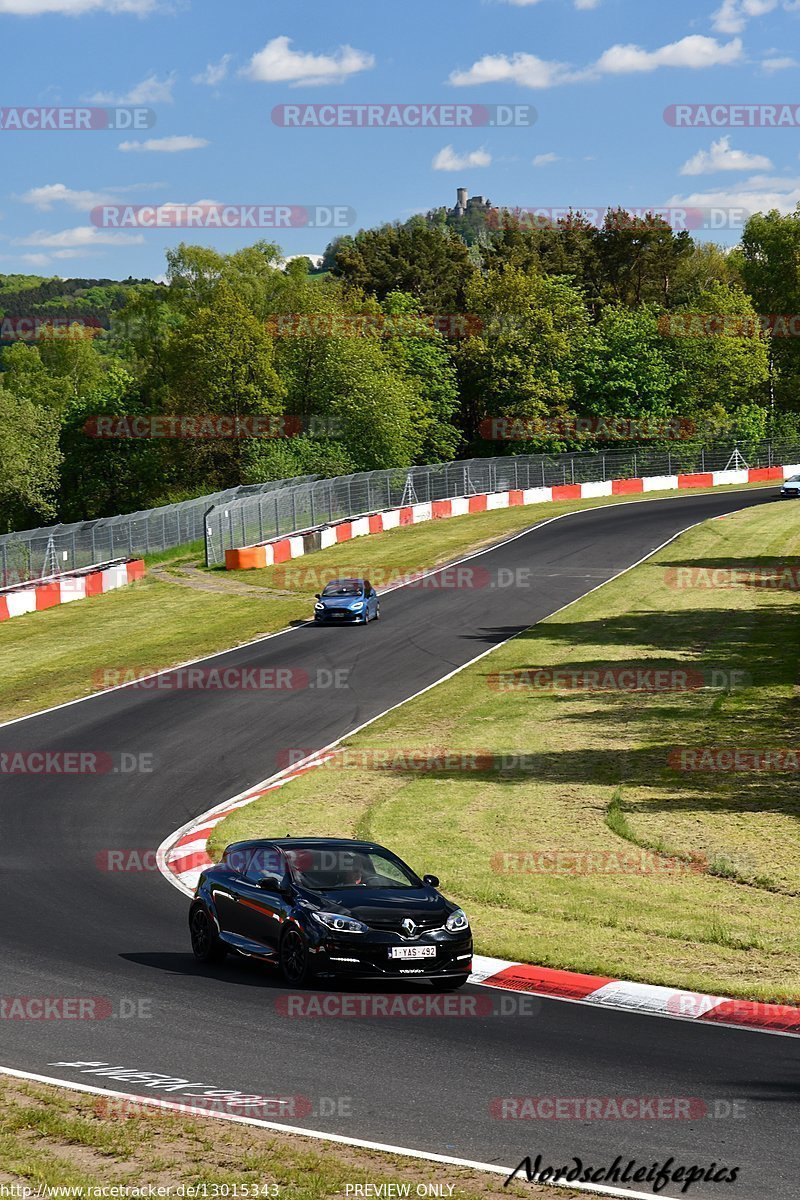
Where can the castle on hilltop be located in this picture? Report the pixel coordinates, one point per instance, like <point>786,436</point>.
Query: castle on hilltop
<point>473,204</point>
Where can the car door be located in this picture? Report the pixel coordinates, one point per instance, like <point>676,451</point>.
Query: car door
<point>371,598</point>
<point>262,909</point>
<point>225,891</point>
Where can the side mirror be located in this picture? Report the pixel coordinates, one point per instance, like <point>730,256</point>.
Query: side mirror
<point>430,880</point>
<point>269,885</point>
<point>317,596</point>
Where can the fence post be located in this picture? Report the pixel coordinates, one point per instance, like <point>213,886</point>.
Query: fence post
<point>260,518</point>
<point>206,534</point>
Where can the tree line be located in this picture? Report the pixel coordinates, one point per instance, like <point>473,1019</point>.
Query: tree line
<point>413,342</point>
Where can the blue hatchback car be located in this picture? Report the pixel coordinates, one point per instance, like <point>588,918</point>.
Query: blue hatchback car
<point>347,600</point>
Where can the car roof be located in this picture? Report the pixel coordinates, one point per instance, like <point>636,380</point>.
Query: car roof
<point>333,581</point>
<point>288,843</point>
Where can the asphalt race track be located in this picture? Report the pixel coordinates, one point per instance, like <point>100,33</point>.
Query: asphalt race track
<point>71,929</point>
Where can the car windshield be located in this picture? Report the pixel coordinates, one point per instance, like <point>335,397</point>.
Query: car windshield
<point>343,587</point>
<point>322,868</point>
<point>793,479</point>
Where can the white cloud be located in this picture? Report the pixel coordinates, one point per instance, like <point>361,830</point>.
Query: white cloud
<point>214,72</point>
<point>46,197</point>
<point>81,236</point>
<point>546,160</point>
<point>525,69</point>
<point>732,15</point>
<point>278,63</point>
<point>166,145</point>
<point>778,62</point>
<point>74,8</point>
<point>694,52</point>
<point>151,90</point>
<point>721,157</point>
<point>448,160</point>
<point>759,193</point>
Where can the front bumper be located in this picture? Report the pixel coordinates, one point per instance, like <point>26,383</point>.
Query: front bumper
<point>790,494</point>
<point>339,616</point>
<point>370,958</point>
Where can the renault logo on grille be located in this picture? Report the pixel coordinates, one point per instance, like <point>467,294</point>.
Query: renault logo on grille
<point>409,927</point>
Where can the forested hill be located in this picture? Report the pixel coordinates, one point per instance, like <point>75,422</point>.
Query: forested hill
<point>37,296</point>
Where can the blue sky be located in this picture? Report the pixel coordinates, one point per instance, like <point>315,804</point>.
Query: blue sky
<point>599,72</point>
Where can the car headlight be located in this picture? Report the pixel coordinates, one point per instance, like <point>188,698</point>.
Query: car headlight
<point>340,924</point>
<point>319,607</point>
<point>358,604</point>
<point>457,921</point>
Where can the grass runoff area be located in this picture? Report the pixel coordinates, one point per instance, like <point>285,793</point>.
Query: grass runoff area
<point>179,613</point>
<point>608,841</point>
<point>53,1137</point>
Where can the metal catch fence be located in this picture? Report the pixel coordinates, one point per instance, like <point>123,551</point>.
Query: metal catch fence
<point>248,520</point>
<point>246,515</point>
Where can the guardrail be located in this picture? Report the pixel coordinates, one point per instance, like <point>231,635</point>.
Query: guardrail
<point>251,520</point>
<point>246,515</point>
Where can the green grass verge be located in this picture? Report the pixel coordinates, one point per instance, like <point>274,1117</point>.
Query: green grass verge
<point>722,914</point>
<point>52,1137</point>
<point>49,657</point>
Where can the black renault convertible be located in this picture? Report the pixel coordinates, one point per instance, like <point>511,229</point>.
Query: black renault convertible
<point>323,908</point>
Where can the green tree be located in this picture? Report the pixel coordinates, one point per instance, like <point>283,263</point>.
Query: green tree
<point>432,264</point>
<point>522,363</point>
<point>29,461</point>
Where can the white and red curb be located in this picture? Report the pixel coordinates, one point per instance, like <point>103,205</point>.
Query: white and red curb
<point>280,550</point>
<point>183,856</point>
<point>36,596</point>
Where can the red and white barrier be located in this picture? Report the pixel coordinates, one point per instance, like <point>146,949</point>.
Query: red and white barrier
<point>184,856</point>
<point>282,549</point>
<point>63,589</point>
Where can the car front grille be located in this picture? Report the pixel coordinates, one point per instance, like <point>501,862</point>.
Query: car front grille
<point>394,924</point>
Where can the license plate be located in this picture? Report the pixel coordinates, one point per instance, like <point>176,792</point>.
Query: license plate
<point>412,952</point>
